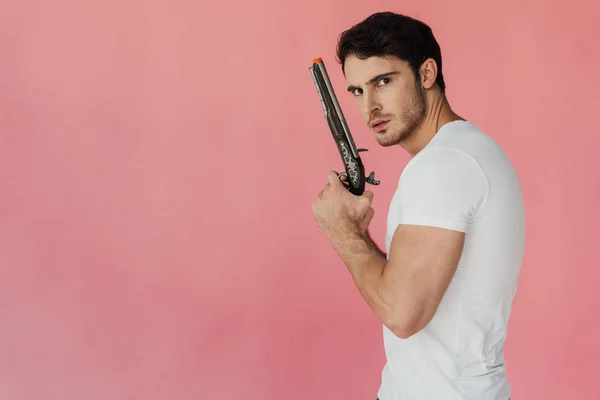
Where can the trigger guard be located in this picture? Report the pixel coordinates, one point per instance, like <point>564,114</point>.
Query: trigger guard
<point>346,183</point>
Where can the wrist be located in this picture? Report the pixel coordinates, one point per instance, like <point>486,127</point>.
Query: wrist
<point>344,234</point>
<point>354,245</point>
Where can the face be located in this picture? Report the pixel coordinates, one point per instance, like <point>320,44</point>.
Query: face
<point>385,89</point>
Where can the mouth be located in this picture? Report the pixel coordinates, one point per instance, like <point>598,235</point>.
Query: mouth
<point>378,126</point>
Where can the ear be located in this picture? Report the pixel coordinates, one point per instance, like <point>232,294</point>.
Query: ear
<point>428,73</point>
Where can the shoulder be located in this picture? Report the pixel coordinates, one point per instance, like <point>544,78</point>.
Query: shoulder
<point>442,187</point>
<point>445,166</point>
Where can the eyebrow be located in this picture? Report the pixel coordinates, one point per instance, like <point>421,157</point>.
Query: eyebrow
<point>374,79</point>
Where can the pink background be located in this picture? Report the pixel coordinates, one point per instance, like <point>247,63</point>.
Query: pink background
<point>158,162</point>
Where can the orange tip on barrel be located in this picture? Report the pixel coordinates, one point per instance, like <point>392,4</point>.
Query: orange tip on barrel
<point>318,59</point>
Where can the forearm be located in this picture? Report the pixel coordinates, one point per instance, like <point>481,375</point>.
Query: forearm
<point>366,263</point>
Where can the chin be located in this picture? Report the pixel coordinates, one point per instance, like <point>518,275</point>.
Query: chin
<point>390,138</point>
<point>386,140</point>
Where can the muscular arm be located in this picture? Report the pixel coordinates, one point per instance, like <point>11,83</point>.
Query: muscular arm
<point>366,263</point>
<point>436,199</point>
<point>404,291</point>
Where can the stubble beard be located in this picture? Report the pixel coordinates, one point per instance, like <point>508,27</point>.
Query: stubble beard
<point>413,115</point>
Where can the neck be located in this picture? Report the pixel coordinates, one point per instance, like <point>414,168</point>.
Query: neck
<point>438,114</point>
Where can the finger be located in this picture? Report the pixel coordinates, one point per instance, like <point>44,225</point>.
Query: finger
<point>369,215</point>
<point>367,194</point>
<point>344,179</point>
<point>366,219</point>
<point>333,178</point>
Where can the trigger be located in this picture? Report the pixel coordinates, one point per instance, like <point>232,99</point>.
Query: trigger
<point>361,150</point>
<point>346,175</point>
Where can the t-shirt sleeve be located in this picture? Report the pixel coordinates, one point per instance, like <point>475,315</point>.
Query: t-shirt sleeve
<point>442,188</point>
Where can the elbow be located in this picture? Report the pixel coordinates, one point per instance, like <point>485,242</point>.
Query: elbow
<point>403,331</point>
<point>406,323</point>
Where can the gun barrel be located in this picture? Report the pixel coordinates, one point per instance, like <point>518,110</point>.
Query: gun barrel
<point>330,104</point>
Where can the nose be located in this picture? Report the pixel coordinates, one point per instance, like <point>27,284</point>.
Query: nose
<point>371,103</point>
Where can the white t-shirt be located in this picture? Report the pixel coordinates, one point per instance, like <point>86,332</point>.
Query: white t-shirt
<point>461,180</point>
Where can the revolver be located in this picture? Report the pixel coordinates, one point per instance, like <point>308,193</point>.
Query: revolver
<point>355,171</point>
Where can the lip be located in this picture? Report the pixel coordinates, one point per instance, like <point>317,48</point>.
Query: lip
<point>379,125</point>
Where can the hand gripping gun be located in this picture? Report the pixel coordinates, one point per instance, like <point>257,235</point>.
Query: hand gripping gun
<point>355,171</point>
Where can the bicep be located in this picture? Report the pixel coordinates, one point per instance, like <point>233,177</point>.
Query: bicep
<point>422,261</point>
<point>434,203</point>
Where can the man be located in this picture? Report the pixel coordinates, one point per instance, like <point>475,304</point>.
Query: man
<point>454,245</point>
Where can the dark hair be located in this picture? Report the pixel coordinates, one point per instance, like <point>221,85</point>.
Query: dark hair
<point>391,34</point>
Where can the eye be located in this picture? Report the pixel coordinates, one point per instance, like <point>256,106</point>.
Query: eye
<point>357,92</point>
<point>385,80</point>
